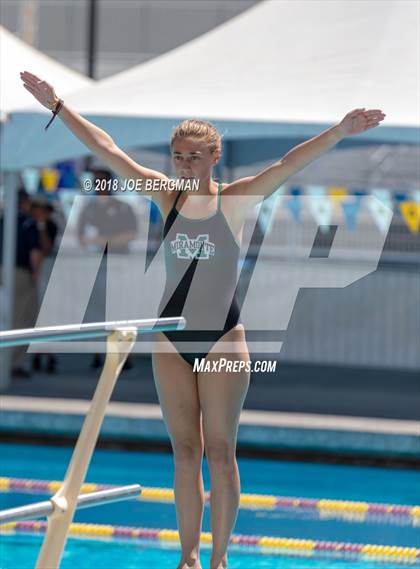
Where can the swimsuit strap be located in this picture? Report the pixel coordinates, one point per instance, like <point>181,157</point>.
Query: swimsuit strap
<point>177,198</point>
<point>173,212</point>
<point>219,195</point>
<point>173,208</point>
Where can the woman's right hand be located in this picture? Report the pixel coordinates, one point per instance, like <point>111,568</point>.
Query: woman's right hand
<point>41,90</point>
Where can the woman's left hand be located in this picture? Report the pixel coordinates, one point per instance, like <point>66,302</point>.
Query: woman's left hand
<point>359,120</point>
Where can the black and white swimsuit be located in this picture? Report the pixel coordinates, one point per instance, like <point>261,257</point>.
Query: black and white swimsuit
<point>201,260</point>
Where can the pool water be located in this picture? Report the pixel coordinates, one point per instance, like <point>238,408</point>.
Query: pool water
<point>20,552</point>
<point>289,478</point>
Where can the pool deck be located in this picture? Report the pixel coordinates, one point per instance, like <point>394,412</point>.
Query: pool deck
<point>297,408</point>
<point>274,430</point>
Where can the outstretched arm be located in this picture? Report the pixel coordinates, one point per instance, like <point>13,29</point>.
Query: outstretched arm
<point>270,179</point>
<point>99,142</point>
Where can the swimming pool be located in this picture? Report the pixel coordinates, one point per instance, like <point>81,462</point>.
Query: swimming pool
<point>271,477</point>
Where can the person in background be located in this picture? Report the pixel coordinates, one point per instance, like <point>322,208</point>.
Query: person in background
<point>106,221</point>
<point>42,212</point>
<point>27,267</point>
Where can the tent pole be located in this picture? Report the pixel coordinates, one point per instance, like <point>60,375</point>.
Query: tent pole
<point>8,272</point>
<point>92,39</point>
<point>91,55</point>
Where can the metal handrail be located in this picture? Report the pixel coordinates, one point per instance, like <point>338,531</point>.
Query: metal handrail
<point>46,508</point>
<point>90,330</point>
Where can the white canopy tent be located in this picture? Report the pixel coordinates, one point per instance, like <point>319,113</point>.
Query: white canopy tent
<point>282,70</point>
<point>16,56</point>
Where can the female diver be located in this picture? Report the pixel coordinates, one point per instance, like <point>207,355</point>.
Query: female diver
<point>201,409</point>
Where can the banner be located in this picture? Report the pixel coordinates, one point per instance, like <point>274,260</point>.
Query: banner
<point>381,209</point>
<point>50,178</point>
<point>350,210</point>
<point>337,193</point>
<point>320,206</point>
<point>410,211</point>
<point>30,178</point>
<point>68,179</point>
<point>294,203</point>
<point>267,209</point>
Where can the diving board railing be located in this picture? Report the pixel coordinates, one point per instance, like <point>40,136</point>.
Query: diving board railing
<point>121,337</point>
<point>25,336</point>
<point>46,508</point>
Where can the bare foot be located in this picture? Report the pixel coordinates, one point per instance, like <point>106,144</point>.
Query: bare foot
<point>222,565</point>
<point>190,564</point>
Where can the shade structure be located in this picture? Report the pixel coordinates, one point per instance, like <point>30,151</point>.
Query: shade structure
<point>16,56</point>
<point>297,66</point>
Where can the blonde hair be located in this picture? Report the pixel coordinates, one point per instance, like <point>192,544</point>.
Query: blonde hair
<point>202,130</point>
